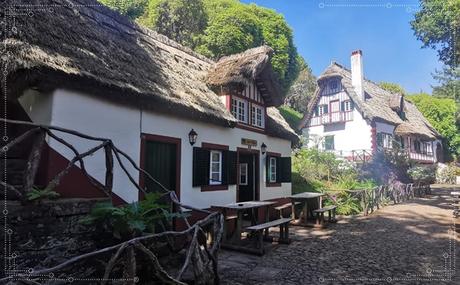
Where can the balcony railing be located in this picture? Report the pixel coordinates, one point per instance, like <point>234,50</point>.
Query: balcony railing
<point>331,118</point>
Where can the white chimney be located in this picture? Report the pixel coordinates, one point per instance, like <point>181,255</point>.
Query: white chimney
<point>357,76</point>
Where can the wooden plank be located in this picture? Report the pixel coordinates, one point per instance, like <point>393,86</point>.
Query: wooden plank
<point>325,209</point>
<point>285,206</point>
<point>269,224</point>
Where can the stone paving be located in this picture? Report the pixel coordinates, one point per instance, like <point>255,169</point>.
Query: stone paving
<point>408,243</point>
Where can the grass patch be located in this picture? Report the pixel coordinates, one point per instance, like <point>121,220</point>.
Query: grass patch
<point>291,116</point>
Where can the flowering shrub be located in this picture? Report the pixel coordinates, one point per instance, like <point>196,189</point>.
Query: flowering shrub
<point>423,174</point>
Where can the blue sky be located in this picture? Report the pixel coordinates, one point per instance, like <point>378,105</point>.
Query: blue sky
<point>391,52</point>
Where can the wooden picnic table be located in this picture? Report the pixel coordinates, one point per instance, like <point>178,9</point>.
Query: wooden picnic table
<point>303,199</point>
<point>240,208</point>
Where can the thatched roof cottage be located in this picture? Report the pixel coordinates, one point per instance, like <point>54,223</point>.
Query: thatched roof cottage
<point>208,130</point>
<point>354,117</point>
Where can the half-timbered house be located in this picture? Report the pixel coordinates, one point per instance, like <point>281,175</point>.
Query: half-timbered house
<point>354,117</point>
<point>208,130</point>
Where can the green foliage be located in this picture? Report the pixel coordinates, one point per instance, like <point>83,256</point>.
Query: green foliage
<point>387,166</point>
<point>346,203</point>
<point>423,174</point>
<point>302,90</point>
<point>129,220</point>
<point>217,28</point>
<point>448,174</point>
<point>130,8</point>
<point>291,116</point>
<point>231,31</point>
<point>37,194</point>
<point>437,25</point>
<point>392,87</point>
<point>441,113</point>
<point>180,20</point>
<point>300,184</point>
<point>313,164</point>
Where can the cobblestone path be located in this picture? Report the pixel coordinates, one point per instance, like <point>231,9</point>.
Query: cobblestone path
<point>409,243</point>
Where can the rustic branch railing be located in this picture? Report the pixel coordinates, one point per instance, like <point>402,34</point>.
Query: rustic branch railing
<point>373,199</point>
<point>201,256</point>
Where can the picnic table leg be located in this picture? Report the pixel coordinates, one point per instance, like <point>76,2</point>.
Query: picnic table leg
<point>293,209</point>
<point>239,224</point>
<point>267,219</point>
<point>305,211</point>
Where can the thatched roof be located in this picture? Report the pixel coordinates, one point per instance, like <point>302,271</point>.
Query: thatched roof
<point>380,105</point>
<point>252,65</point>
<point>80,44</point>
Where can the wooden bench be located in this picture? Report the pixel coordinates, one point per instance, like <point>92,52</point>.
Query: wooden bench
<point>320,214</point>
<point>285,206</point>
<point>258,230</point>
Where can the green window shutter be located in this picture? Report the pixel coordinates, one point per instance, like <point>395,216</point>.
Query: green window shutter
<point>326,109</point>
<point>278,170</point>
<point>285,169</point>
<point>342,106</point>
<point>231,166</point>
<point>379,139</point>
<point>267,168</point>
<point>200,167</point>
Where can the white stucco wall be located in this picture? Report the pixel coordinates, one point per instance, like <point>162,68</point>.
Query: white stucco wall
<point>124,125</point>
<point>348,136</point>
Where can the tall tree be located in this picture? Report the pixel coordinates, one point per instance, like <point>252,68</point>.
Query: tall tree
<point>130,8</point>
<point>437,25</point>
<point>302,90</point>
<point>392,87</point>
<point>180,20</point>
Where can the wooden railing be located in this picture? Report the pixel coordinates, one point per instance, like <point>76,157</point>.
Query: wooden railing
<point>361,155</point>
<point>330,118</point>
<point>375,198</point>
<point>201,256</point>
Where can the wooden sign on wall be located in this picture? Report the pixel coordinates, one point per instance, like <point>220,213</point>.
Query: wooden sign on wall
<point>248,142</point>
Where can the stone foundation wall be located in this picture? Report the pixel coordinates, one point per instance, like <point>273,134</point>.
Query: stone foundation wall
<point>45,234</point>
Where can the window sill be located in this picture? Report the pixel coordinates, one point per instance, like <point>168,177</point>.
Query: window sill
<point>273,184</point>
<point>208,188</point>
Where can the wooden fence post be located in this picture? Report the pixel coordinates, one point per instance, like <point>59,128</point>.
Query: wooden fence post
<point>33,162</point>
<point>108,168</point>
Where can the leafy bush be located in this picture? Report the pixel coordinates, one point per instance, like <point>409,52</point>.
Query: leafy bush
<point>130,220</point>
<point>41,194</point>
<point>387,166</point>
<point>291,116</point>
<point>300,184</point>
<point>447,173</point>
<point>423,174</point>
<point>346,203</point>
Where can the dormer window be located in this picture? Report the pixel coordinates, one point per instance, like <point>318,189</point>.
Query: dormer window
<point>240,109</point>
<point>333,84</point>
<point>257,116</point>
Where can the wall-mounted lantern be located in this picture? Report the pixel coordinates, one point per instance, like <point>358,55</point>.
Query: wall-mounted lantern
<point>263,148</point>
<point>192,135</point>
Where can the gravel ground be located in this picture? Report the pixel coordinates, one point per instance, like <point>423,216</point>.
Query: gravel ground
<point>408,243</point>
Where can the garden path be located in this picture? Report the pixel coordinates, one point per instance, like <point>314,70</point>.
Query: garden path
<point>408,243</point>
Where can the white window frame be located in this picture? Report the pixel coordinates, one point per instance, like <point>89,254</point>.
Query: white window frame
<point>255,121</point>
<point>240,109</point>
<point>211,172</point>
<point>243,173</point>
<point>347,105</point>
<point>272,170</point>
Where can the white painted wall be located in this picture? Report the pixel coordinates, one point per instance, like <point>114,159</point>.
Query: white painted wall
<point>124,125</point>
<point>348,136</point>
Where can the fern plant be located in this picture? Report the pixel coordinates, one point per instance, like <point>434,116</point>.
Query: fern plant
<point>130,220</point>
<point>37,194</point>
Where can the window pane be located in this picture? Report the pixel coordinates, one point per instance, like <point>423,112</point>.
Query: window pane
<point>215,156</point>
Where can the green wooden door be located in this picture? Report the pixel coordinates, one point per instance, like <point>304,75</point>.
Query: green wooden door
<point>160,163</point>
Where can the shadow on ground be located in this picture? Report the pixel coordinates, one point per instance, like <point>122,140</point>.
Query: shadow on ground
<point>408,243</point>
